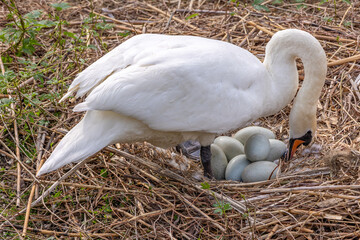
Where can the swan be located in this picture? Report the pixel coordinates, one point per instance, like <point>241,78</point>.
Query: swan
<point>169,89</point>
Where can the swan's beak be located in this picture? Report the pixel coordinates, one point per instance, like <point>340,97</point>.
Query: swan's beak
<point>293,145</point>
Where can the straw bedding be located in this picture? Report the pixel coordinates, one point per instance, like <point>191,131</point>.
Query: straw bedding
<point>138,191</point>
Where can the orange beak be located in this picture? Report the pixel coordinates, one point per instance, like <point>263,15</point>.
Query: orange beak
<point>293,145</point>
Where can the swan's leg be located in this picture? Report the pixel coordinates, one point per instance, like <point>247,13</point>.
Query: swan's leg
<point>205,155</point>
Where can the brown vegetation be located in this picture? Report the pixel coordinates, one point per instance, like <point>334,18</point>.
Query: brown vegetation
<point>131,191</point>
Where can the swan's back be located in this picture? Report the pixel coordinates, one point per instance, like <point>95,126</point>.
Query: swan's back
<point>177,83</point>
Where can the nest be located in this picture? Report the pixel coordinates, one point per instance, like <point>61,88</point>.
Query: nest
<point>138,191</point>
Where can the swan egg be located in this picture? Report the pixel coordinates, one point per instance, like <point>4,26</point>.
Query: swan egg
<point>259,171</point>
<point>230,146</point>
<point>243,134</point>
<point>235,167</point>
<point>257,147</point>
<point>277,149</point>
<point>218,162</point>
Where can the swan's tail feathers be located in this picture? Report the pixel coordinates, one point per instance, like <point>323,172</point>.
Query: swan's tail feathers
<point>81,107</point>
<point>70,91</point>
<point>80,143</point>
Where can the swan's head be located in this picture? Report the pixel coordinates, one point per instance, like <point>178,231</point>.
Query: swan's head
<point>302,127</point>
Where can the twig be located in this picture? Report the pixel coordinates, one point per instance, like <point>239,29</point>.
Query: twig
<point>334,39</point>
<point>331,195</point>
<point>169,21</point>
<point>151,165</point>
<point>40,150</point>
<point>261,28</point>
<point>2,66</point>
<point>198,210</point>
<point>344,60</point>
<point>246,38</point>
<point>18,167</point>
<point>66,234</point>
<point>316,213</point>
<point>181,197</point>
<point>202,11</point>
<point>7,95</point>
<point>27,82</point>
<point>293,226</point>
<point>175,18</point>
<point>131,216</point>
<point>343,17</point>
<point>236,205</point>
<point>145,215</point>
<point>15,227</point>
<point>166,172</point>
<point>27,214</point>
<point>34,188</point>
<point>7,154</point>
<point>21,163</point>
<point>334,187</point>
<point>78,185</point>
<point>275,228</point>
<point>48,191</point>
<point>132,28</point>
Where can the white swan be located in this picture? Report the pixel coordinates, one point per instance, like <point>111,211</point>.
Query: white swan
<point>169,89</point>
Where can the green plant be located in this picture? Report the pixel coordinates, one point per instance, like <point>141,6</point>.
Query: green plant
<point>257,4</point>
<point>220,206</point>
<point>191,16</point>
<point>334,1</point>
<point>36,60</point>
<point>201,231</point>
<point>300,4</point>
<point>347,23</point>
<point>104,173</point>
<point>328,19</point>
<point>236,2</point>
<point>277,2</point>
<point>260,5</point>
<point>21,33</point>
<point>95,26</point>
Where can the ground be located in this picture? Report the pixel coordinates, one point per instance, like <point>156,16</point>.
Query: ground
<point>135,191</point>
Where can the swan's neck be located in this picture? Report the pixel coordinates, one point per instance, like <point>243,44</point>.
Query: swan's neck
<point>281,53</point>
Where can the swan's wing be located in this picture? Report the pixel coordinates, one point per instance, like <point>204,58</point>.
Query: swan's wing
<point>115,60</point>
<point>206,86</point>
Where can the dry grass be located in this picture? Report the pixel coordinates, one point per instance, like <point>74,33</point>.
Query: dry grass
<point>131,191</point>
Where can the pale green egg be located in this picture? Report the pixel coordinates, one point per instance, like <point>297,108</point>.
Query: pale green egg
<point>277,150</point>
<point>218,162</point>
<point>243,134</point>
<point>230,146</point>
<point>235,167</point>
<point>260,171</point>
<point>257,147</point>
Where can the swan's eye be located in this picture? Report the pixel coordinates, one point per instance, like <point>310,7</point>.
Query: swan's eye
<point>307,138</point>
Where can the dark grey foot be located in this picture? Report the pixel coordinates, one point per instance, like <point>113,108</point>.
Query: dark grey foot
<point>190,149</point>
<point>205,156</point>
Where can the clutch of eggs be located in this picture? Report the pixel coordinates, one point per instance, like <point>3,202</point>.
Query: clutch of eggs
<point>248,156</point>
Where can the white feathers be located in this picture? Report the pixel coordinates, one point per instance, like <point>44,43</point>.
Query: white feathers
<point>182,76</point>
<point>81,107</point>
<point>168,89</point>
